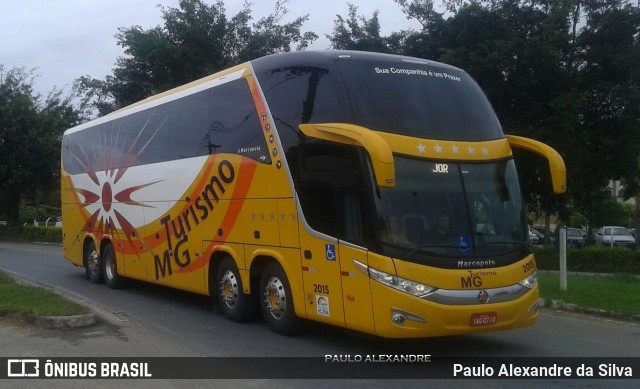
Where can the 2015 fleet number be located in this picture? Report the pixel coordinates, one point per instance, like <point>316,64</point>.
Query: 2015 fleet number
<point>531,265</point>
<point>321,288</point>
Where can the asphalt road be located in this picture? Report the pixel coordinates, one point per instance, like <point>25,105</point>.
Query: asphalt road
<point>147,320</point>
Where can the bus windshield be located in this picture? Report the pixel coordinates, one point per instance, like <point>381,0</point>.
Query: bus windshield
<point>453,209</point>
<point>418,99</point>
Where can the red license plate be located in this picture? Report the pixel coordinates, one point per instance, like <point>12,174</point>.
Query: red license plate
<point>484,319</point>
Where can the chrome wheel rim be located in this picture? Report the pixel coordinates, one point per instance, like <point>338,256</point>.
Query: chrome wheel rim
<point>229,289</point>
<point>111,267</point>
<point>92,262</point>
<point>275,298</point>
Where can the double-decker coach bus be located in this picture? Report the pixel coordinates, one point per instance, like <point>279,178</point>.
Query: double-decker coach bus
<point>372,192</point>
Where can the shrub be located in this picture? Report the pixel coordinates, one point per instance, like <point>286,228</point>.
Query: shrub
<point>592,259</point>
<point>41,234</point>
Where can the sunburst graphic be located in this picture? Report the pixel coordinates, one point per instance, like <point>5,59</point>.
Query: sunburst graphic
<point>105,197</point>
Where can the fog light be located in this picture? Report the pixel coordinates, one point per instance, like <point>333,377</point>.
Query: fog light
<point>398,319</point>
<point>534,308</point>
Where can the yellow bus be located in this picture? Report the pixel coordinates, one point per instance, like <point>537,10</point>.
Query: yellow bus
<point>372,192</point>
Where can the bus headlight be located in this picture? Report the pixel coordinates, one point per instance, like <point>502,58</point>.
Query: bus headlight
<point>402,284</point>
<point>530,281</point>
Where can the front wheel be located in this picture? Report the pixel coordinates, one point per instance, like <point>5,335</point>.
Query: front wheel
<point>276,300</point>
<point>234,304</point>
<point>110,268</point>
<point>93,264</point>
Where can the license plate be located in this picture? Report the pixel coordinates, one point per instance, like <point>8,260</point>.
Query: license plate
<point>484,319</point>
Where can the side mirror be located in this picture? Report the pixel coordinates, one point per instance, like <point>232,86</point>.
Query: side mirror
<point>556,163</point>
<point>378,149</point>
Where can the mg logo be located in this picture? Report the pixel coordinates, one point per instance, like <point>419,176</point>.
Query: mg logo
<point>471,282</point>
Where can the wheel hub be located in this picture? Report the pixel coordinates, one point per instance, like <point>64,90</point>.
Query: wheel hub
<point>275,298</point>
<point>229,289</point>
<point>92,262</point>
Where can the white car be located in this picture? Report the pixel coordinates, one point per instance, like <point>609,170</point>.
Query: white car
<point>610,236</point>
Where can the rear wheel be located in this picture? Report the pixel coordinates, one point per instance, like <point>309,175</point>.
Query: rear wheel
<point>234,304</point>
<point>276,301</point>
<point>110,268</point>
<point>93,264</point>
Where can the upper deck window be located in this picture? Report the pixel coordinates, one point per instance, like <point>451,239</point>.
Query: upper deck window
<point>300,94</point>
<point>418,99</point>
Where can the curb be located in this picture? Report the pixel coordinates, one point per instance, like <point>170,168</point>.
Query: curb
<point>55,322</point>
<point>58,322</point>
<point>575,308</point>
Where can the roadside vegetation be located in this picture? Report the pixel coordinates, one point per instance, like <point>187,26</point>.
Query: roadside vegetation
<point>618,293</point>
<point>19,301</point>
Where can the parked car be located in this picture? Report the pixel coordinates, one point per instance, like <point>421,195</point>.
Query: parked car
<point>575,238</point>
<point>615,236</point>
<point>540,233</point>
<point>535,236</point>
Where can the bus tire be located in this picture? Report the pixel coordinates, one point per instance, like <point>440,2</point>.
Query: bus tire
<point>276,300</point>
<point>110,268</point>
<point>93,264</point>
<point>233,303</point>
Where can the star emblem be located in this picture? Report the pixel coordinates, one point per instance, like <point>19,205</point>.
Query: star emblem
<point>485,151</point>
<point>455,149</point>
<point>471,150</point>
<point>421,148</point>
<point>438,148</point>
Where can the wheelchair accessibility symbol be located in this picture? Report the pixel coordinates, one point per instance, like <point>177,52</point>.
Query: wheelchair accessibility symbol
<point>330,250</point>
<point>464,244</point>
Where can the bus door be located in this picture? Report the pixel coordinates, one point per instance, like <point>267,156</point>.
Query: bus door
<point>328,182</point>
<point>321,266</point>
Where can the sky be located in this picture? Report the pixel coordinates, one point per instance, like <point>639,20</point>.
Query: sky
<point>62,40</point>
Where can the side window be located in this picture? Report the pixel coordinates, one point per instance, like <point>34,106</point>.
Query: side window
<point>330,186</point>
<point>301,94</point>
<point>219,120</point>
<point>123,136</point>
<point>234,126</point>
<point>90,149</point>
<point>151,140</point>
<point>189,126</point>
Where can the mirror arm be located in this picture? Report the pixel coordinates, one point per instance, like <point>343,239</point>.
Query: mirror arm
<point>556,163</point>
<point>378,149</point>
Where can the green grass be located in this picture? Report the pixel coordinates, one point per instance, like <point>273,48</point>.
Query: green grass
<point>617,293</point>
<point>18,301</point>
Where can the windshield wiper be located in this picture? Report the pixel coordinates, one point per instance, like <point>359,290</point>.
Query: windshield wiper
<point>428,246</point>
<point>451,246</point>
<point>524,246</point>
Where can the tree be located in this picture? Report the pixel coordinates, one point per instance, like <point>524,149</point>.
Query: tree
<point>605,102</point>
<point>359,33</point>
<point>30,135</point>
<point>196,40</point>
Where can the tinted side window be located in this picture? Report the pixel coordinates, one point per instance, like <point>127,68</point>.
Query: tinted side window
<point>234,126</point>
<point>219,120</point>
<point>301,94</point>
<point>330,182</point>
<point>151,140</point>
<point>189,126</point>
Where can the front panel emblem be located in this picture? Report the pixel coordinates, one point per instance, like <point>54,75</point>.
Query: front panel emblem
<point>483,296</point>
